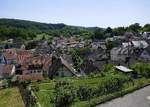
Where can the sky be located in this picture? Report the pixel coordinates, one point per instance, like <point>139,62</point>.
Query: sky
<point>89,13</point>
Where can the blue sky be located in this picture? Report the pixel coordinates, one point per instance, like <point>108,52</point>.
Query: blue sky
<point>102,13</point>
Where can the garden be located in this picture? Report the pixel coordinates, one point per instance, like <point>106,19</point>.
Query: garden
<point>91,90</point>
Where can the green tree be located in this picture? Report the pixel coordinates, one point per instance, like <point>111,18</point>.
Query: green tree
<point>135,28</point>
<point>98,34</point>
<point>79,56</point>
<point>119,31</point>
<point>146,28</point>
<point>108,30</point>
<point>64,94</point>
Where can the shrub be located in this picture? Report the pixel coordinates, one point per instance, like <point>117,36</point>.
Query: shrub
<point>30,99</point>
<point>35,87</point>
<point>112,83</point>
<point>4,83</point>
<point>108,67</point>
<point>85,92</point>
<point>64,94</point>
<point>142,69</point>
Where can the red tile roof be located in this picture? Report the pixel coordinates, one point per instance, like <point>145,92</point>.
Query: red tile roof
<point>19,55</point>
<point>9,54</point>
<point>7,69</point>
<point>44,60</point>
<point>23,55</point>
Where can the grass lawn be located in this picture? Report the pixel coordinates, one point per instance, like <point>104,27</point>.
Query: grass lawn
<point>10,97</point>
<point>45,93</point>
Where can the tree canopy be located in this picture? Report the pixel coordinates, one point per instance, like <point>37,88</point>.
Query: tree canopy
<point>14,28</point>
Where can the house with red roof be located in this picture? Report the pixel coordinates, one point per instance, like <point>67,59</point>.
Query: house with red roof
<point>6,70</point>
<point>34,67</point>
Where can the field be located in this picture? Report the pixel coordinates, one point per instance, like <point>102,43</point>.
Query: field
<point>10,97</point>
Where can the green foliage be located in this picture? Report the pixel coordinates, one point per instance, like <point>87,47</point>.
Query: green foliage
<point>11,97</point>
<point>146,28</point>
<point>108,30</point>
<point>23,24</point>
<point>119,30</point>
<point>78,56</point>
<point>112,83</point>
<point>98,34</point>
<point>6,33</point>
<point>35,87</point>
<point>30,99</point>
<point>103,33</point>
<point>135,28</point>
<point>4,83</point>
<point>26,30</point>
<point>104,98</point>
<point>64,94</point>
<point>111,44</point>
<point>68,31</point>
<point>13,28</point>
<point>61,92</point>
<point>85,92</point>
<point>142,69</point>
<point>108,68</point>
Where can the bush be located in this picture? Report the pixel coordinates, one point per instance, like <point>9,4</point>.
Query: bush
<point>85,92</point>
<point>4,83</point>
<point>112,83</point>
<point>35,87</point>
<point>30,99</point>
<point>142,69</point>
<point>64,94</point>
<point>108,67</point>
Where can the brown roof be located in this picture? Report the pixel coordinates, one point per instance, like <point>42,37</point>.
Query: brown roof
<point>44,60</point>
<point>47,61</point>
<point>7,69</point>
<point>10,54</point>
<point>23,56</point>
<point>24,52</point>
<point>19,55</point>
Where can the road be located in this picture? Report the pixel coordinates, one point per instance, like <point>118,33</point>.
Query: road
<point>135,99</point>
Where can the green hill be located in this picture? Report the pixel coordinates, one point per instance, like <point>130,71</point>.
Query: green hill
<point>15,28</point>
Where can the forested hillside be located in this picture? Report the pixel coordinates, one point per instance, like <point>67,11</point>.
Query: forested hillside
<point>14,28</point>
<point>27,30</point>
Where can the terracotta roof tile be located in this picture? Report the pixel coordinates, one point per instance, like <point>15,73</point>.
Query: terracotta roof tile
<point>9,54</point>
<point>7,69</point>
<point>44,60</point>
